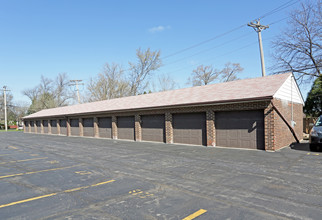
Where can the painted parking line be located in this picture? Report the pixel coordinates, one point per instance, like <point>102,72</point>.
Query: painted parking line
<point>195,215</point>
<point>39,171</point>
<point>12,147</point>
<point>315,154</point>
<point>4,155</point>
<point>54,194</point>
<point>17,161</point>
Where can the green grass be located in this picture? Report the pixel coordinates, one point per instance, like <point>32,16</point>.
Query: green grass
<point>9,130</point>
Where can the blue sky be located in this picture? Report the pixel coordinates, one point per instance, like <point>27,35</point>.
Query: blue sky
<point>47,37</point>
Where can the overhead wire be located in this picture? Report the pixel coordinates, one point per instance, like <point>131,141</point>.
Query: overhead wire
<point>209,49</point>
<point>221,55</point>
<point>233,51</point>
<point>275,10</point>
<point>281,7</point>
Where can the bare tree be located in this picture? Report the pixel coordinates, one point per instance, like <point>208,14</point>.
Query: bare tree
<point>230,71</point>
<point>49,93</point>
<point>109,84</point>
<point>62,92</point>
<point>165,82</point>
<point>298,48</point>
<point>147,62</point>
<point>203,75</point>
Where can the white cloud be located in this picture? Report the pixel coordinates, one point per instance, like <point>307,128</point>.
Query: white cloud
<point>159,28</point>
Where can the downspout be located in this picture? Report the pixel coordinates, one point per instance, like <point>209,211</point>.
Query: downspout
<point>292,121</point>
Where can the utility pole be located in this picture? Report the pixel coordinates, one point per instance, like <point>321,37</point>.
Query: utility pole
<point>258,28</point>
<point>5,107</point>
<point>76,82</point>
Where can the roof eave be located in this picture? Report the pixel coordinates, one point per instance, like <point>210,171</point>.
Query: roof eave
<point>265,98</point>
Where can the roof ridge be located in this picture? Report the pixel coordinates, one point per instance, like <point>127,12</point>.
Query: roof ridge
<point>212,93</point>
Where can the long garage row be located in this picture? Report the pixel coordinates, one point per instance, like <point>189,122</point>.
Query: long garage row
<point>237,129</point>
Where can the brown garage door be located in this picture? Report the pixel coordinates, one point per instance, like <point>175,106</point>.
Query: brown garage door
<point>241,129</point>
<point>32,125</point>
<point>105,127</point>
<point>153,128</point>
<point>38,127</point>
<point>88,127</point>
<point>63,126</point>
<point>125,127</point>
<point>53,124</point>
<point>45,124</point>
<point>189,128</point>
<point>74,127</point>
<point>26,123</point>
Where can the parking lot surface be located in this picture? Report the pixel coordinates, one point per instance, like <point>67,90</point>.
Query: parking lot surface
<point>56,177</point>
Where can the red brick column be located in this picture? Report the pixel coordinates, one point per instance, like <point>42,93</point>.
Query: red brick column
<point>210,128</point>
<point>269,128</point>
<point>68,126</point>
<point>49,127</point>
<point>168,128</point>
<point>41,126</point>
<point>96,131</point>
<point>81,129</point>
<point>114,127</point>
<point>35,125</point>
<point>138,130</point>
<point>58,126</point>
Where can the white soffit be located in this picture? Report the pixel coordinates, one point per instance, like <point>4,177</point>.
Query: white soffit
<point>289,91</point>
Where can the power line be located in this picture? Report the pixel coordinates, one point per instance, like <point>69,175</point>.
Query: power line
<point>225,43</point>
<point>275,10</point>
<point>281,7</point>
<point>209,49</point>
<point>221,55</point>
<point>205,41</point>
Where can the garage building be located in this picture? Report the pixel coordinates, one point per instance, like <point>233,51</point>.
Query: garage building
<point>261,113</point>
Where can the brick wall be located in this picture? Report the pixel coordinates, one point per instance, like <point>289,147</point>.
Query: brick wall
<point>282,135</point>
<point>277,134</point>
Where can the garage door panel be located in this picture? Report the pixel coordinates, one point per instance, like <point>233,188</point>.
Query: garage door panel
<point>74,127</point>
<point>45,125</point>
<point>53,124</point>
<point>88,127</point>
<point>125,127</point>
<point>242,129</point>
<point>105,127</point>
<point>38,124</point>
<point>153,128</point>
<point>189,128</point>
<point>63,126</point>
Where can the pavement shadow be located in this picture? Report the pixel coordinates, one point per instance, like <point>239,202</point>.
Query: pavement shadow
<point>301,146</point>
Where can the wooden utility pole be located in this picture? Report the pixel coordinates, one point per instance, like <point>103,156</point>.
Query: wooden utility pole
<point>76,82</point>
<point>5,107</point>
<point>258,28</point>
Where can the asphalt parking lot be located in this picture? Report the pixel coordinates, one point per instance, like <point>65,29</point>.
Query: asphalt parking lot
<point>55,177</point>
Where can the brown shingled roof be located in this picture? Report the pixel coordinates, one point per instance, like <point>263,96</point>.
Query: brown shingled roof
<point>246,89</point>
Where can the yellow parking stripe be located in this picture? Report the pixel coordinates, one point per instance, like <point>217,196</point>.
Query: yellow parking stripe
<point>12,147</point>
<point>53,194</point>
<point>17,161</point>
<point>195,215</point>
<point>27,200</point>
<point>39,171</point>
